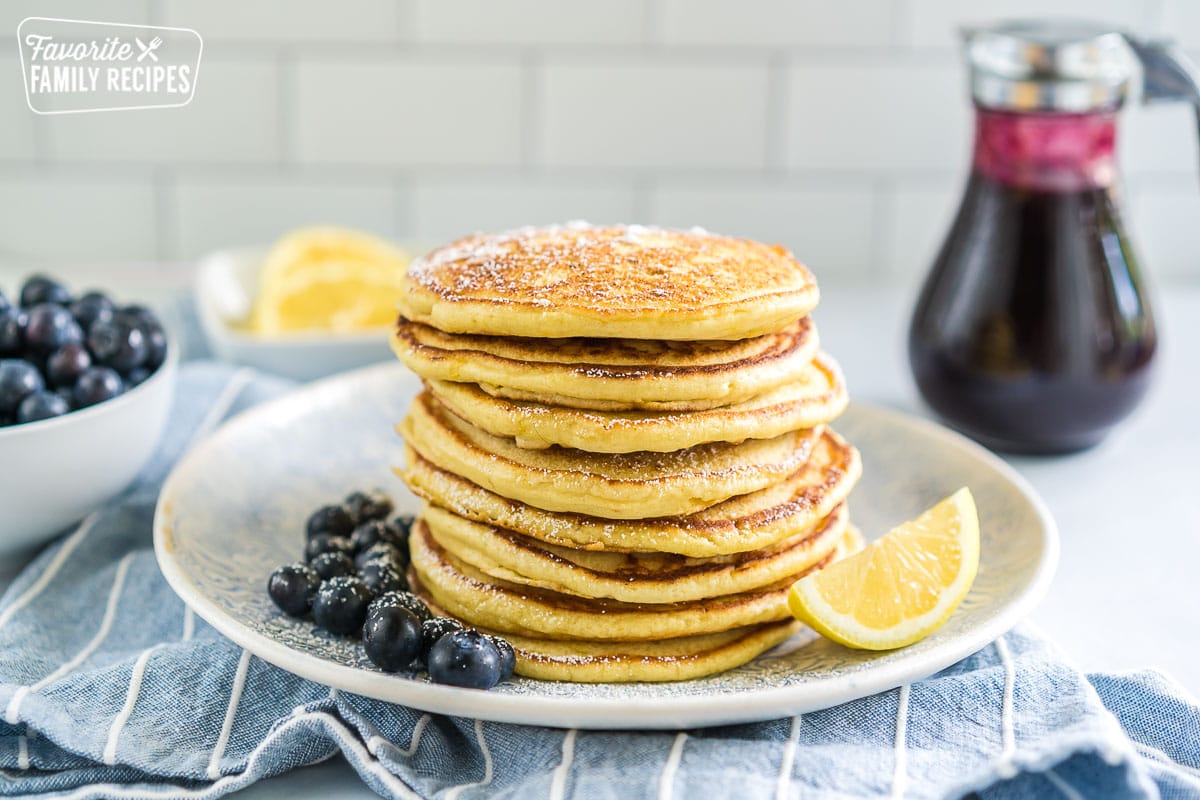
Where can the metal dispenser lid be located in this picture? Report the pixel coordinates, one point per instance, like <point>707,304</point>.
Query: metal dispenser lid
<point>1049,65</point>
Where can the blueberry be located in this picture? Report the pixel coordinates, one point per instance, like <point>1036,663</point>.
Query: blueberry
<point>364,507</point>
<point>382,551</point>
<point>66,364</point>
<point>465,658</point>
<point>136,376</point>
<point>41,405</point>
<point>366,535</point>
<point>152,329</point>
<point>68,396</point>
<point>293,588</point>
<point>374,532</point>
<point>381,578</point>
<point>508,656</point>
<point>330,564</point>
<point>341,604</point>
<point>18,380</point>
<point>41,289</point>
<point>50,327</point>
<point>156,345</point>
<point>326,543</point>
<point>407,600</point>
<point>12,332</point>
<point>401,527</point>
<point>96,385</point>
<point>330,519</point>
<point>91,308</point>
<point>138,315</point>
<point>433,629</point>
<point>117,344</point>
<point>391,636</point>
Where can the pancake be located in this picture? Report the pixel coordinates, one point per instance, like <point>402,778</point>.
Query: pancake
<point>628,577</point>
<point>611,374</point>
<point>748,522</point>
<point>611,485</point>
<point>481,600</point>
<point>618,281</point>
<point>678,659</point>
<point>817,397</point>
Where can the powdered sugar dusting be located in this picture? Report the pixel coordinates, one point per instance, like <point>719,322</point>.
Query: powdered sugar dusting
<point>621,266</point>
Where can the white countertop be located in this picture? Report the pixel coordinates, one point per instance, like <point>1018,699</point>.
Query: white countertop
<point>1128,511</point>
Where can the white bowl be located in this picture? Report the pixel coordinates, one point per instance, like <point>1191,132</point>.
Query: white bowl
<point>58,470</point>
<point>226,282</point>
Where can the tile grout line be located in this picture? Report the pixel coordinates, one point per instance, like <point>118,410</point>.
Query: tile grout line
<point>901,22</point>
<point>166,232</point>
<point>533,104</point>
<point>285,110</point>
<point>653,28</point>
<point>777,114</point>
<point>883,188</point>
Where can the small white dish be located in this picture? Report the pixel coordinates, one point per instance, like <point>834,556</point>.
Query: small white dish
<point>58,470</point>
<point>226,282</point>
<point>265,471</point>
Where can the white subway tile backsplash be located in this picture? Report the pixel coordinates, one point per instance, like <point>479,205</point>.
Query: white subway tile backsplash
<point>1158,139</point>
<point>917,217</point>
<point>828,228</point>
<point>821,23</point>
<point>234,117</point>
<point>935,23</point>
<point>645,112</point>
<point>16,133</point>
<point>882,117</point>
<point>531,22</point>
<point>1181,22</point>
<point>211,213</point>
<point>840,129</point>
<point>285,20</point>
<point>408,111</point>
<point>1164,224</point>
<point>13,11</point>
<point>58,217</point>
<point>449,208</point>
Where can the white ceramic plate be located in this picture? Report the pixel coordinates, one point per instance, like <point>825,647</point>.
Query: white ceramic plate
<point>235,508</point>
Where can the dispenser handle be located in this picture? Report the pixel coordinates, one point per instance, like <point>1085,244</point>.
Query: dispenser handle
<point>1167,74</point>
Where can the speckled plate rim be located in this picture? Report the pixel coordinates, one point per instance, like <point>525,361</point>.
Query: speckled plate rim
<point>672,711</point>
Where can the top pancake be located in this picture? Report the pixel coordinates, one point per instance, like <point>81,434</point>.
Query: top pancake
<point>621,281</point>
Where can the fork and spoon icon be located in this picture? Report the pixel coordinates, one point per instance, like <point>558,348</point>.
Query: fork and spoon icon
<point>148,49</point>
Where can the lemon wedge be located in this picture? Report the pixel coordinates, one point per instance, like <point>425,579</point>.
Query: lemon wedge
<point>328,279</point>
<point>901,587</point>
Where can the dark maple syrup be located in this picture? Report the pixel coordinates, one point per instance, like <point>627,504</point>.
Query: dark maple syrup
<point>1032,332</point>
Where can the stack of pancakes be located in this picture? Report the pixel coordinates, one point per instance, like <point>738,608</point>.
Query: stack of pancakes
<point>622,445</point>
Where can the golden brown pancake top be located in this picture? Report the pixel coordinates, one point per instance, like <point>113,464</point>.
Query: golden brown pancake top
<point>582,280</point>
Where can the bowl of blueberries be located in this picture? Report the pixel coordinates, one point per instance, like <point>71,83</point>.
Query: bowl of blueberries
<point>85,389</point>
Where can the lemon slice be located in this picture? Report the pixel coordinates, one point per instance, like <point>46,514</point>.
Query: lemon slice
<point>328,279</point>
<point>900,588</point>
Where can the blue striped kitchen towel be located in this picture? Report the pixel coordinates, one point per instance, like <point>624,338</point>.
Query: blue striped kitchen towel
<point>110,687</point>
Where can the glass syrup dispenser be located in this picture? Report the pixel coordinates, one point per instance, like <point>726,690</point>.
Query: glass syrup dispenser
<point>1033,332</point>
